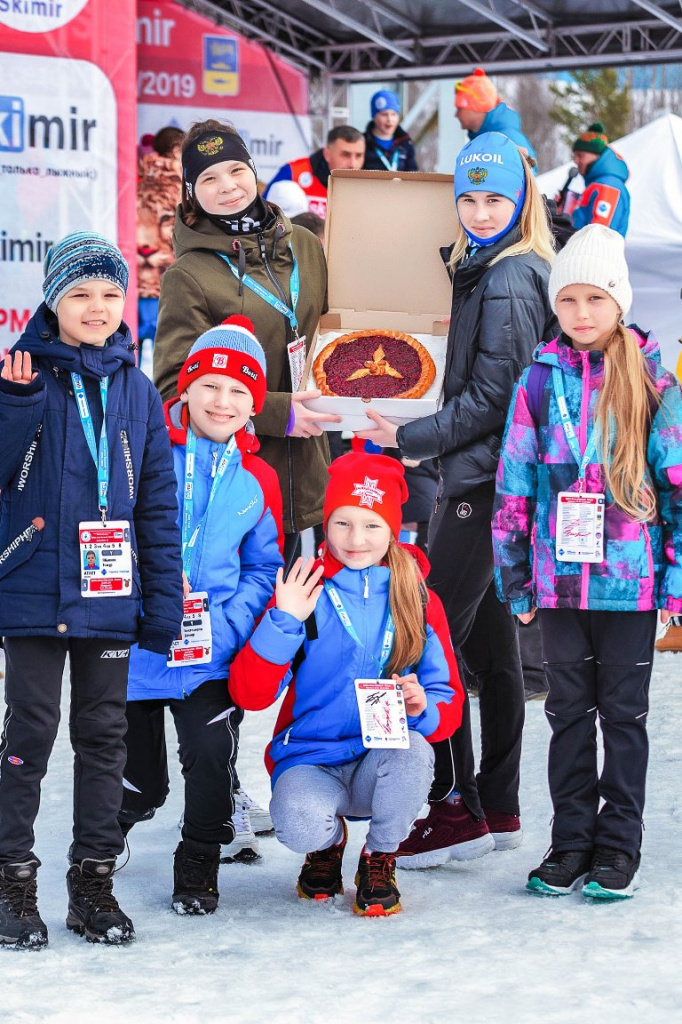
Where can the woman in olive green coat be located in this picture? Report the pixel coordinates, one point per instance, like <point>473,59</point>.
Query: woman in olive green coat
<point>236,254</point>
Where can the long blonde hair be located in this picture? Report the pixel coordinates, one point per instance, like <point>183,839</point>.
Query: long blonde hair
<point>407,599</point>
<point>622,415</point>
<point>535,234</point>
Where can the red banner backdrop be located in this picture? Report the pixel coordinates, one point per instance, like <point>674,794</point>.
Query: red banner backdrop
<point>67,139</point>
<point>190,69</point>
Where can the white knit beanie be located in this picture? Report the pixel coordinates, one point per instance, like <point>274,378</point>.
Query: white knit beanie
<point>594,255</point>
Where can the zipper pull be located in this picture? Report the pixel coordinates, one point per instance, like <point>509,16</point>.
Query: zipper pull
<point>214,456</point>
<point>261,246</point>
<point>366,593</point>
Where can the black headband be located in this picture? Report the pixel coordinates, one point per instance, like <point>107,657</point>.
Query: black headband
<point>211,148</point>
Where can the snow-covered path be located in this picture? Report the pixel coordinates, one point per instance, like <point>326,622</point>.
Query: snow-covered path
<point>471,945</point>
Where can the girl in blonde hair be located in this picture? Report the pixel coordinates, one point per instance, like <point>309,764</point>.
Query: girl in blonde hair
<point>374,619</point>
<point>588,529</point>
<point>500,264</point>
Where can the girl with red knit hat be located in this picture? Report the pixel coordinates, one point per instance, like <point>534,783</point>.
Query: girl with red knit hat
<point>364,649</point>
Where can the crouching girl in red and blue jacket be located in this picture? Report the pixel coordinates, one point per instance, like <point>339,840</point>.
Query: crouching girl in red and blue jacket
<point>372,681</point>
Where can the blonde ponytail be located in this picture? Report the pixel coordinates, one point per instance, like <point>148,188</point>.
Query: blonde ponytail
<point>407,597</point>
<point>622,416</point>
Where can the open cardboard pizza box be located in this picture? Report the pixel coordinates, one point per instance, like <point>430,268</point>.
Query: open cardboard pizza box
<point>383,234</point>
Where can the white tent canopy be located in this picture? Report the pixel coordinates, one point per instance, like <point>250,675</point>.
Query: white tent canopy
<point>653,245</point>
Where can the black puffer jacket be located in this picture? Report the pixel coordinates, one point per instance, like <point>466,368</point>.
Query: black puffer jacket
<point>499,314</point>
<point>402,146</point>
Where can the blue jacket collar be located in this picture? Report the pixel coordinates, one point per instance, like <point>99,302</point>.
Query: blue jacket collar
<point>41,340</point>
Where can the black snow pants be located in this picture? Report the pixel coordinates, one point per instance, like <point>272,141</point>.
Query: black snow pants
<point>484,634</point>
<point>97,724</point>
<point>597,664</point>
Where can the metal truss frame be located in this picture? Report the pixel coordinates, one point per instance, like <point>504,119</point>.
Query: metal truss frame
<point>392,46</point>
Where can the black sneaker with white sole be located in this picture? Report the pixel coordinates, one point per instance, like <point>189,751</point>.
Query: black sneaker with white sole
<point>561,872</point>
<point>612,874</point>
<point>21,926</point>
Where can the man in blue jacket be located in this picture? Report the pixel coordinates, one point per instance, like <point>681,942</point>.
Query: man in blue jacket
<point>479,109</point>
<point>605,200</point>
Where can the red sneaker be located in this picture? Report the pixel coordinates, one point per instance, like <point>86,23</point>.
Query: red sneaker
<point>448,832</point>
<point>505,829</point>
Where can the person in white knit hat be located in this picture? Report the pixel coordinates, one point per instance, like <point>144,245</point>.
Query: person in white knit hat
<point>587,529</point>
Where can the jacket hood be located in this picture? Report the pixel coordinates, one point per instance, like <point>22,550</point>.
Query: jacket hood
<point>609,163</point>
<point>560,352</point>
<point>41,340</point>
<point>500,119</point>
<point>177,421</point>
<point>204,234</point>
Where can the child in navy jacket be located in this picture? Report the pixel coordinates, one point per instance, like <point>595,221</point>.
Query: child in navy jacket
<point>373,620</point>
<point>230,513</point>
<point>83,441</point>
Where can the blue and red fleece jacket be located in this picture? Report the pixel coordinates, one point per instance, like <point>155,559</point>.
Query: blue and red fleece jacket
<point>319,722</point>
<point>236,557</point>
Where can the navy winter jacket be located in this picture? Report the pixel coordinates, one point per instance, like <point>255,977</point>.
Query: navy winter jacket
<point>52,483</point>
<point>236,557</point>
<point>401,146</point>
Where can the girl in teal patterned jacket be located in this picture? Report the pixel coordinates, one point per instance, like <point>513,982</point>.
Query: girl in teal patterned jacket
<point>587,528</point>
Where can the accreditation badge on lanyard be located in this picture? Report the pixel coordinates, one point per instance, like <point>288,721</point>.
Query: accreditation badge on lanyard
<point>296,351</point>
<point>194,646</point>
<point>580,515</point>
<point>195,643</point>
<point>104,546</point>
<point>383,718</point>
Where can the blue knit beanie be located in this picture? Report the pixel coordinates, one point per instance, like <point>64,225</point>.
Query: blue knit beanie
<point>81,256</point>
<point>231,349</point>
<point>384,100</point>
<point>492,163</point>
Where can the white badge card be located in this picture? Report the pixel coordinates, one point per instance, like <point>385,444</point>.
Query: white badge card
<point>580,527</point>
<point>297,354</point>
<point>194,645</point>
<point>106,561</point>
<point>383,717</point>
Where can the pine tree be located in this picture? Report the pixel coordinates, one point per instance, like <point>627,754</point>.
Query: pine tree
<point>591,96</point>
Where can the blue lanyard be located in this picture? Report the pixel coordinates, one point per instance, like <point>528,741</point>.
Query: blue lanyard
<point>189,535</point>
<point>100,455</point>
<point>272,300</point>
<point>389,628</point>
<point>395,159</point>
<point>583,460</point>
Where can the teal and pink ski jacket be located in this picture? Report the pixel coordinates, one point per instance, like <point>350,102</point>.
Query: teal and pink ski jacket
<point>642,567</point>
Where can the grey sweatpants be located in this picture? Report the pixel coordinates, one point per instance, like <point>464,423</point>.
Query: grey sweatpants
<point>387,786</point>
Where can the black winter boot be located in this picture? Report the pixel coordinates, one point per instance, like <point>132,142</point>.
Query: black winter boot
<point>93,909</point>
<point>21,925</point>
<point>195,877</point>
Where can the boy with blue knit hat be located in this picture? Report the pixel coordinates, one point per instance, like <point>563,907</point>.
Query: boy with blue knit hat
<point>230,514</point>
<point>87,511</point>
<point>388,147</point>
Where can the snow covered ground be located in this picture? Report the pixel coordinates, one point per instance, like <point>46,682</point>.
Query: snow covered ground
<point>471,945</point>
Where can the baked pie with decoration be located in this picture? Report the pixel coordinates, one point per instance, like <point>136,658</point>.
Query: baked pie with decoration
<point>374,364</point>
